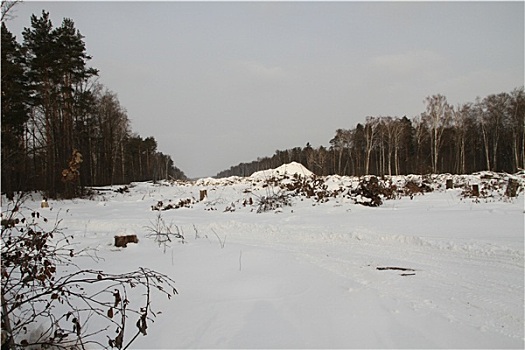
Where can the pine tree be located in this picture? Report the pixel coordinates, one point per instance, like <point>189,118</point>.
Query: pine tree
<point>15,113</point>
<point>57,69</point>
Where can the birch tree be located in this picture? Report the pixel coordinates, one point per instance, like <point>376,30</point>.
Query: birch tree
<point>371,131</point>
<point>437,117</point>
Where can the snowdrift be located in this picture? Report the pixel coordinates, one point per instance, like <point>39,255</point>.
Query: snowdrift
<point>291,169</point>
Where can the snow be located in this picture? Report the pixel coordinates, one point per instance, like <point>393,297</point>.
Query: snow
<point>285,169</point>
<point>305,275</point>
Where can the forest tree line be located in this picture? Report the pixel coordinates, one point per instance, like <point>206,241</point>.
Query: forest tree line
<point>488,134</point>
<point>61,129</point>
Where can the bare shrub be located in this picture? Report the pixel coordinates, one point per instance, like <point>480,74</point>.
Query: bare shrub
<point>45,305</point>
<point>163,233</point>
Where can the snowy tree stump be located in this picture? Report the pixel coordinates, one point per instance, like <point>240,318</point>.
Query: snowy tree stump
<point>203,194</point>
<point>475,190</point>
<point>449,184</point>
<point>512,188</point>
<point>122,241</point>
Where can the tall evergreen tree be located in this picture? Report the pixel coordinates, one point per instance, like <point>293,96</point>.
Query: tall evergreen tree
<point>57,67</point>
<point>15,113</point>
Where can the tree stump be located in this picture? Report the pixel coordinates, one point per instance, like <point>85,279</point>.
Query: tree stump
<point>203,194</point>
<point>475,190</point>
<point>449,184</point>
<point>512,188</point>
<point>122,241</point>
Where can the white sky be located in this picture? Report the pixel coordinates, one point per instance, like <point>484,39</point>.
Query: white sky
<point>219,83</point>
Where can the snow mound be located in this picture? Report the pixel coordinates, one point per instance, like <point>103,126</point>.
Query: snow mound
<point>285,169</point>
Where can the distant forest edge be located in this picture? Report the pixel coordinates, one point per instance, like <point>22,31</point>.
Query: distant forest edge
<point>61,129</point>
<point>488,134</point>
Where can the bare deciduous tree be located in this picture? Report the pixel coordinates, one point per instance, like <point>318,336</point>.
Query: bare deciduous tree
<point>460,120</point>
<point>516,124</point>
<point>438,116</point>
<point>371,131</point>
<point>7,9</point>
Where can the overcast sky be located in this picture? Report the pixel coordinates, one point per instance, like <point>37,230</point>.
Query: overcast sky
<point>217,84</point>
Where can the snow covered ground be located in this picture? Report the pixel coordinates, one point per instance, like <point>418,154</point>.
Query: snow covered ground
<point>310,275</point>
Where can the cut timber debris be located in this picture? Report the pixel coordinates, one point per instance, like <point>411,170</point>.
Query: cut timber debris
<point>397,269</point>
<point>394,268</point>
